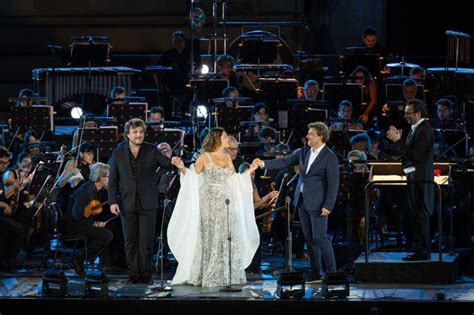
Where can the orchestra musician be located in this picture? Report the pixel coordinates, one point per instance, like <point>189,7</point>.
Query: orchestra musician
<point>12,232</point>
<point>15,182</point>
<point>79,220</point>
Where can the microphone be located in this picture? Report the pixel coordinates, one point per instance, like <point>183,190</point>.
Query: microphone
<point>227,202</point>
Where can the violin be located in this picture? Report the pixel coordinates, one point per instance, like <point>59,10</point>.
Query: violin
<point>94,207</point>
<point>268,219</point>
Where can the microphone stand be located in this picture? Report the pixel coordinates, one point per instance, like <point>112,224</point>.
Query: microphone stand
<point>289,239</point>
<point>229,287</point>
<point>162,287</point>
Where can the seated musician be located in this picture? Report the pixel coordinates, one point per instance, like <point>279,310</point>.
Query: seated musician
<point>31,143</point>
<point>361,142</point>
<point>156,115</point>
<point>444,114</point>
<point>262,204</point>
<point>12,232</point>
<point>80,221</point>
<point>75,173</point>
<point>89,122</point>
<point>24,97</point>
<point>260,116</point>
<point>428,80</point>
<point>231,92</point>
<point>225,70</point>
<point>15,183</point>
<point>371,43</point>
<point>362,76</point>
<point>117,96</point>
<point>233,151</point>
<point>345,112</point>
<point>311,90</point>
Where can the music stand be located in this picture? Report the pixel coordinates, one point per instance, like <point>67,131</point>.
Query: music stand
<point>369,60</point>
<point>277,90</point>
<point>174,137</point>
<point>87,52</point>
<point>455,143</point>
<point>103,138</point>
<point>37,117</point>
<point>339,140</point>
<point>206,90</point>
<point>230,118</point>
<point>125,112</point>
<point>259,49</point>
<point>334,93</point>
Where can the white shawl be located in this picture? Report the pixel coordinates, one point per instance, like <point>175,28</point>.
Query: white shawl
<point>184,225</point>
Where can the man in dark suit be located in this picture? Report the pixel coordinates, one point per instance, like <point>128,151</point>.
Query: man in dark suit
<point>133,192</point>
<point>417,161</point>
<point>315,193</point>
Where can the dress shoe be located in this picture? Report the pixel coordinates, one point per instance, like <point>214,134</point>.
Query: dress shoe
<point>146,280</point>
<point>78,267</point>
<point>133,280</point>
<point>417,257</point>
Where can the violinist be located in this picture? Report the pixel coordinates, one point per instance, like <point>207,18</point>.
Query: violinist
<point>76,171</point>
<point>258,203</point>
<point>15,183</point>
<point>12,232</point>
<point>31,143</point>
<point>79,220</point>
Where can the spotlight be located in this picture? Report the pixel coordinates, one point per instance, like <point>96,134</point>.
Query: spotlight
<point>76,112</point>
<point>204,69</point>
<point>291,285</point>
<point>54,283</point>
<point>335,284</point>
<point>96,284</point>
<point>202,111</point>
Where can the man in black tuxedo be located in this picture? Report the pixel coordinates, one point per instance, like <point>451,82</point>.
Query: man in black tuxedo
<point>417,161</point>
<point>315,193</point>
<point>133,192</point>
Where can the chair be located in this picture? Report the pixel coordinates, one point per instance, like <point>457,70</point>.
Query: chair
<point>62,250</point>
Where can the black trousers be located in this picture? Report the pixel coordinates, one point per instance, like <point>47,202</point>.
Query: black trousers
<point>12,237</point>
<point>139,235</point>
<point>97,238</point>
<point>419,217</point>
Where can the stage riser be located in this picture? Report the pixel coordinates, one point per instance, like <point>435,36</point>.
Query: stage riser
<point>407,272</point>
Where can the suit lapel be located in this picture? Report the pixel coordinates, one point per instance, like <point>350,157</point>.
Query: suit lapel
<point>318,159</point>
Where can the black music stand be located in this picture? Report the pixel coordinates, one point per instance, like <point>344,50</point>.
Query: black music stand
<point>454,144</point>
<point>87,52</point>
<point>369,60</point>
<point>171,136</point>
<point>334,93</point>
<point>103,138</point>
<point>207,89</point>
<point>259,49</point>
<point>230,118</point>
<point>277,90</point>
<point>37,117</point>
<point>125,112</point>
<point>340,141</point>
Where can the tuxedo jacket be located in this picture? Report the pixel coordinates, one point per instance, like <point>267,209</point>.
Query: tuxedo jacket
<point>124,188</point>
<point>320,183</point>
<point>417,151</point>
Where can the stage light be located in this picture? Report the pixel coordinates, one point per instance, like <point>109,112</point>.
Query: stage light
<point>291,285</point>
<point>335,285</point>
<point>204,69</point>
<point>76,112</point>
<point>96,284</point>
<point>201,111</point>
<point>54,283</point>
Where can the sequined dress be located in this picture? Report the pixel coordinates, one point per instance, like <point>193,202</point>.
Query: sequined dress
<point>211,262</point>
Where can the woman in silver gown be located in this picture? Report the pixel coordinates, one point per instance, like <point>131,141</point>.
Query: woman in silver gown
<point>213,199</point>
